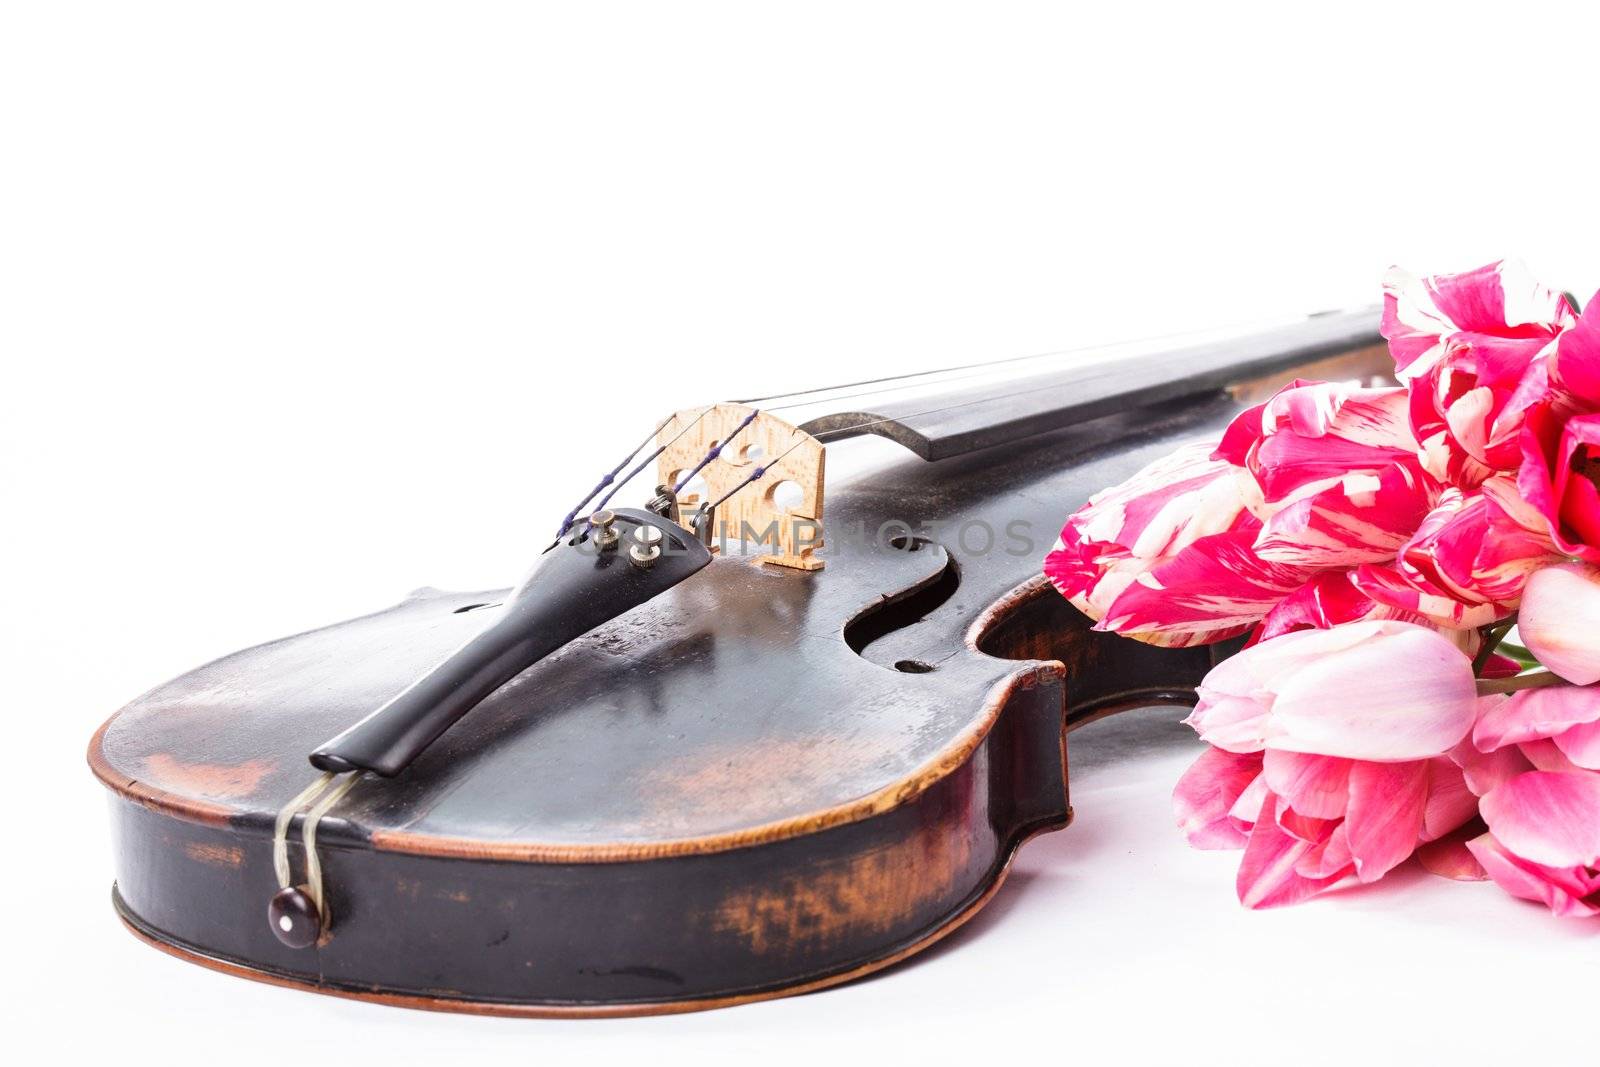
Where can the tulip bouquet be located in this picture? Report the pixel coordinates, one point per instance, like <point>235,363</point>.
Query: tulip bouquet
<point>1378,545</point>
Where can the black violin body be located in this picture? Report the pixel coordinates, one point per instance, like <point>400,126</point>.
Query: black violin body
<point>758,780</point>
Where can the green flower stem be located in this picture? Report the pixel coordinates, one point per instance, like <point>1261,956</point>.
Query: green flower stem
<point>1492,636</point>
<point>1535,680</point>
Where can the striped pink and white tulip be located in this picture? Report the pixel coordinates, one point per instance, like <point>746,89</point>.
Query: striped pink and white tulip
<point>1197,548</point>
<point>1184,514</point>
<point>1468,561</point>
<point>1474,349</point>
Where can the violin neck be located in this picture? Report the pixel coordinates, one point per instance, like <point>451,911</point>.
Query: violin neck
<point>936,422</point>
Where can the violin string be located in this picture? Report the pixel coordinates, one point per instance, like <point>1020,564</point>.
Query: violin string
<point>902,419</point>
<point>760,471</point>
<point>867,392</point>
<point>652,457</point>
<point>572,516</point>
<point>756,474</point>
<point>611,478</point>
<point>715,451</point>
<point>841,431</point>
<point>1055,353</point>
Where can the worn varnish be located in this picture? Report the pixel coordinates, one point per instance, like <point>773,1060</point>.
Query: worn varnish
<point>766,780</point>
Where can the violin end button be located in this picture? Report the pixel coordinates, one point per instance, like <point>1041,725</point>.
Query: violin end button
<point>294,918</point>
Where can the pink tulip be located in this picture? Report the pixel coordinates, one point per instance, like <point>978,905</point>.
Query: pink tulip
<point>1474,349</point>
<point>1165,556</point>
<point>1555,728</point>
<point>1534,759</point>
<point>1377,690</point>
<point>1571,892</point>
<point>1543,842</point>
<point>1207,794</point>
<point>1308,822</point>
<point>1560,620</point>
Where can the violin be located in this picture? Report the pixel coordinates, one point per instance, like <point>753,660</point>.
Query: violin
<point>744,740</point>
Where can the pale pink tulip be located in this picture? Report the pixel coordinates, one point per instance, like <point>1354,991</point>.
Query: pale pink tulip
<point>1376,690</point>
<point>1328,756</point>
<point>1560,620</point>
<point>1474,349</point>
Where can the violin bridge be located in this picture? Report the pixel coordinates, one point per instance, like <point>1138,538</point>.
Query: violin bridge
<point>781,512</point>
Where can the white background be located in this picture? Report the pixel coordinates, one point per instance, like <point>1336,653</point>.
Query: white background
<point>305,305</point>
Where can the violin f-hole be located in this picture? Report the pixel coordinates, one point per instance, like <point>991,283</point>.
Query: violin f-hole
<point>864,633</point>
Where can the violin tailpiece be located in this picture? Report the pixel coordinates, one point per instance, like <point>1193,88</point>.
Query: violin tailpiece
<point>782,512</point>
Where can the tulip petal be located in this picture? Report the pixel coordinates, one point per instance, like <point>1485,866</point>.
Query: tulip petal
<point>1450,803</point>
<point>1314,786</point>
<point>1267,877</point>
<point>1329,599</point>
<point>1409,695</point>
<point>1388,803</point>
<point>1330,858</point>
<point>1246,811</point>
<point>1534,714</point>
<point>1559,620</point>
<point>1581,745</point>
<point>1548,818</point>
<point>1414,596</point>
<point>1577,359</point>
<point>1236,697</point>
<point>1359,518</point>
<point>1129,529</point>
<point>1483,771</point>
<point>1544,755</point>
<point>1205,794</point>
<point>1449,856</point>
<point>1556,477</point>
<point>1566,893</point>
<point>1217,586</point>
